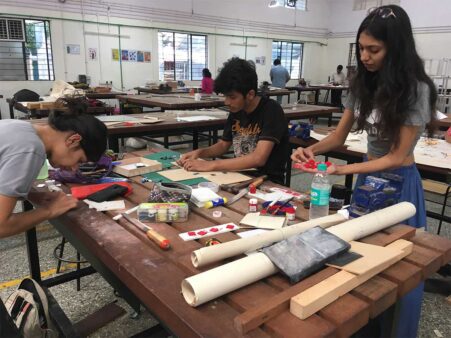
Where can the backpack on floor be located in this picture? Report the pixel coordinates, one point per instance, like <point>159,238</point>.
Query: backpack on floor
<point>28,307</point>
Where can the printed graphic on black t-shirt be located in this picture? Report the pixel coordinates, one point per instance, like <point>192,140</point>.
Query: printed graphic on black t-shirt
<point>244,138</point>
<point>266,122</point>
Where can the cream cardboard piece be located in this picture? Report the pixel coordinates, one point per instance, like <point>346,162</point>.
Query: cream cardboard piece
<point>137,166</point>
<point>254,219</point>
<point>218,177</point>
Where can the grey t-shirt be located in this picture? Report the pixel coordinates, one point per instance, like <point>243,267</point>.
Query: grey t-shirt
<point>419,115</point>
<point>22,155</point>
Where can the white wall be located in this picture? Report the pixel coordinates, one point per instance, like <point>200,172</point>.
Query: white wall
<point>326,29</point>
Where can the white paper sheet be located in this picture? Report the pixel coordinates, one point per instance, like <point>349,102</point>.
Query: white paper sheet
<point>196,118</point>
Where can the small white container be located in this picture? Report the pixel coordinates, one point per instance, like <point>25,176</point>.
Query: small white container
<point>210,185</point>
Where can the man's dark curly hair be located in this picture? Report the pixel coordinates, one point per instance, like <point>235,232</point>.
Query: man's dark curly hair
<point>236,75</point>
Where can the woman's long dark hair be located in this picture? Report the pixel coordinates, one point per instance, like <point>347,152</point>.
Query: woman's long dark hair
<point>393,88</point>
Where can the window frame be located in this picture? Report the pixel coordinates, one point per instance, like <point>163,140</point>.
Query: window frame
<point>174,53</point>
<point>279,56</point>
<point>24,49</point>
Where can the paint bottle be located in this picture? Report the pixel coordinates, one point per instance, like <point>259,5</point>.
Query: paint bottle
<point>162,215</point>
<point>215,203</point>
<point>173,214</point>
<point>290,213</point>
<point>253,204</point>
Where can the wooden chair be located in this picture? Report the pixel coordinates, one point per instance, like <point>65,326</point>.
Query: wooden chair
<point>439,189</point>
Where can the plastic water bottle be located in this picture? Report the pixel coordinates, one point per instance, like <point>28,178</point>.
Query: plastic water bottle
<point>320,193</point>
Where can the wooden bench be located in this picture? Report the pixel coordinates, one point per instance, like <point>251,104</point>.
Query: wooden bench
<point>442,190</point>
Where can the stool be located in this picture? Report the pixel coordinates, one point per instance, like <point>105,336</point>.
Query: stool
<point>60,259</point>
<point>440,189</point>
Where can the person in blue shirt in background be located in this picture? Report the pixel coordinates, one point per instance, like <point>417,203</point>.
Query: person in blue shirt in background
<point>279,77</point>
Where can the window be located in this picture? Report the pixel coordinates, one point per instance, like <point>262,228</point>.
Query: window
<point>181,56</point>
<point>352,61</point>
<point>290,55</point>
<point>25,50</point>
<point>298,4</point>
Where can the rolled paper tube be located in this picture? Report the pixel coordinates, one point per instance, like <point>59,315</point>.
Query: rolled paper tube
<point>208,255</point>
<point>368,224</point>
<point>216,282</point>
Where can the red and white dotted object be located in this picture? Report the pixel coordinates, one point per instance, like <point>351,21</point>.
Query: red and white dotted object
<point>310,164</point>
<point>206,232</point>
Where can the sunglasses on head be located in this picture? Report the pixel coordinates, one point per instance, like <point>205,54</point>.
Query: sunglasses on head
<point>382,12</point>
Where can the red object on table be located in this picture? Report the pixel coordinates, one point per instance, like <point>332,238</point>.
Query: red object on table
<point>82,191</point>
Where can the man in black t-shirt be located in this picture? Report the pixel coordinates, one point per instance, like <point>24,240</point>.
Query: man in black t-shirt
<point>256,128</point>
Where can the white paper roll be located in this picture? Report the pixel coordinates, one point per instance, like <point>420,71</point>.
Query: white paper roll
<point>210,254</point>
<point>226,278</point>
<point>369,224</point>
<point>216,282</point>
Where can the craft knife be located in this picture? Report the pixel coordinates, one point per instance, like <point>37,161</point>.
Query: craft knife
<point>240,194</point>
<point>161,241</point>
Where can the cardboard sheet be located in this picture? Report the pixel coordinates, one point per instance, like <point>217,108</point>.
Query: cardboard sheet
<point>212,176</point>
<point>254,219</point>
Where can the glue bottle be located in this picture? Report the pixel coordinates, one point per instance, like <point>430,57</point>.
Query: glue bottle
<point>215,203</point>
<point>320,193</point>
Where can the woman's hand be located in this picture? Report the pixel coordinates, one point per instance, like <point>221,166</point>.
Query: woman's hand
<point>302,155</point>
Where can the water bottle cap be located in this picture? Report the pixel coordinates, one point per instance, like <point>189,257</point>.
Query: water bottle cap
<point>322,167</point>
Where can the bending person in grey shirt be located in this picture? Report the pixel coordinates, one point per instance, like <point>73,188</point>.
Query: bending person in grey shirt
<point>67,139</point>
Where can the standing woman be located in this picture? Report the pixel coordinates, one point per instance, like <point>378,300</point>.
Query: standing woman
<point>207,81</point>
<point>392,99</point>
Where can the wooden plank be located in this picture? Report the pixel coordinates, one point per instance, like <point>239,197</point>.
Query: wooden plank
<point>315,298</point>
<point>428,260</point>
<point>273,306</point>
<point>407,276</point>
<point>371,256</point>
<point>313,327</point>
<point>378,292</point>
<point>436,243</point>
<point>390,235</point>
<point>346,320</point>
<point>401,230</point>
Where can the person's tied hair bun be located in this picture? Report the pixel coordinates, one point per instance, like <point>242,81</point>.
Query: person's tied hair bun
<point>71,105</point>
<point>71,116</point>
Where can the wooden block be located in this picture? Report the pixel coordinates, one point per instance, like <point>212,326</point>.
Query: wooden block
<point>315,298</point>
<point>428,260</point>
<point>378,292</point>
<point>348,313</point>
<point>436,243</point>
<point>435,187</point>
<point>371,255</point>
<point>128,166</point>
<point>407,276</point>
<point>33,105</point>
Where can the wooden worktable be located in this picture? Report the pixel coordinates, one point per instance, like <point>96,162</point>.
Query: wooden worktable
<point>137,268</point>
<point>174,101</point>
<point>100,96</point>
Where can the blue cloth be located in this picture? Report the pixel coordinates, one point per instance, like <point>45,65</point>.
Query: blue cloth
<point>410,305</point>
<point>412,191</point>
